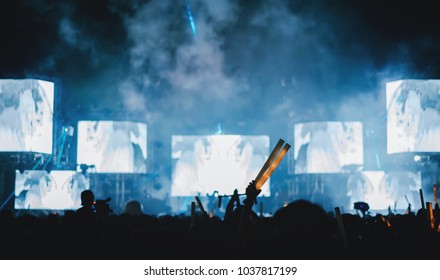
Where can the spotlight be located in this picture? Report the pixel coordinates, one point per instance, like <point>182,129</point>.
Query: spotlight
<point>68,130</point>
<point>422,159</point>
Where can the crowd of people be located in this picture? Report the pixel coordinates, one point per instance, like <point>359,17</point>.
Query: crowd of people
<point>300,230</point>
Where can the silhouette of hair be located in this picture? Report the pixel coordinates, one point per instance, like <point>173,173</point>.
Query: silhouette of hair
<point>133,208</point>
<point>87,198</point>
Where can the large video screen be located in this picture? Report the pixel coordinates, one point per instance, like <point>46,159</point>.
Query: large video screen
<point>385,189</point>
<point>26,112</point>
<point>328,147</point>
<point>113,146</point>
<point>413,113</point>
<point>223,163</point>
<point>58,190</point>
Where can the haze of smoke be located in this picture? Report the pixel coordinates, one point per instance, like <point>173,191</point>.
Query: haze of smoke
<point>263,61</point>
<point>190,69</point>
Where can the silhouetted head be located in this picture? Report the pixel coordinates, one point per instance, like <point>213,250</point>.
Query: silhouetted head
<point>304,229</point>
<point>301,215</point>
<point>133,208</point>
<point>87,198</point>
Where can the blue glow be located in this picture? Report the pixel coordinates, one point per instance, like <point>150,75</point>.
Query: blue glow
<point>219,129</point>
<point>6,201</point>
<point>62,147</point>
<point>38,163</point>
<point>191,19</point>
<point>185,203</point>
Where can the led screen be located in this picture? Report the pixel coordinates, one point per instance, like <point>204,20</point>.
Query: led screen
<point>113,146</point>
<point>204,164</point>
<point>328,147</point>
<point>385,189</point>
<point>59,189</point>
<point>26,111</point>
<point>413,112</point>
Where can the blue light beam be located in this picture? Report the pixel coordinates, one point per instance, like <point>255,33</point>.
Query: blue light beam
<point>191,19</point>
<point>61,150</point>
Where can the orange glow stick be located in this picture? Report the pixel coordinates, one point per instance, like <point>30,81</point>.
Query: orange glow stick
<point>269,159</point>
<point>435,194</point>
<point>430,214</point>
<point>272,167</point>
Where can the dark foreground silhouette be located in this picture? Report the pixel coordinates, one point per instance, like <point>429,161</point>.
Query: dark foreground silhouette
<point>301,230</point>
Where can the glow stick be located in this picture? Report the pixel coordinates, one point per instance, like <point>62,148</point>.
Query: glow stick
<point>406,198</point>
<point>193,213</point>
<point>230,195</point>
<point>435,194</point>
<point>269,159</point>
<point>272,167</point>
<point>408,210</point>
<point>200,205</point>
<point>219,201</point>
<point>430,214</point>
<point>422,200</point>
<point>385,221</point>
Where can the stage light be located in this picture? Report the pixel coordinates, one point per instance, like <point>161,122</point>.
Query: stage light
<point>423,159</point>
<point>191,19</point>
<point>68,130</point>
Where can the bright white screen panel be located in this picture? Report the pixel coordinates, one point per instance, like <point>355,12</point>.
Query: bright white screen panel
<point>26,115</point>
<point>385,189</point>
<point>113,146</point>
<point>413,116</point>
<point>208,163</point>
<point>59,189</point>
<point>328,147</point>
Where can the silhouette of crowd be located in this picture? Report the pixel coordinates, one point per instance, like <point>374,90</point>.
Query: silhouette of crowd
<point>300,230</point>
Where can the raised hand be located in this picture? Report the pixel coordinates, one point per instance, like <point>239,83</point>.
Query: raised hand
<point>235,197</point>
<point>251,193</point>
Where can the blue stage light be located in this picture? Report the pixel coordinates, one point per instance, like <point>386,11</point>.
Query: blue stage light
<point>191,19</point>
